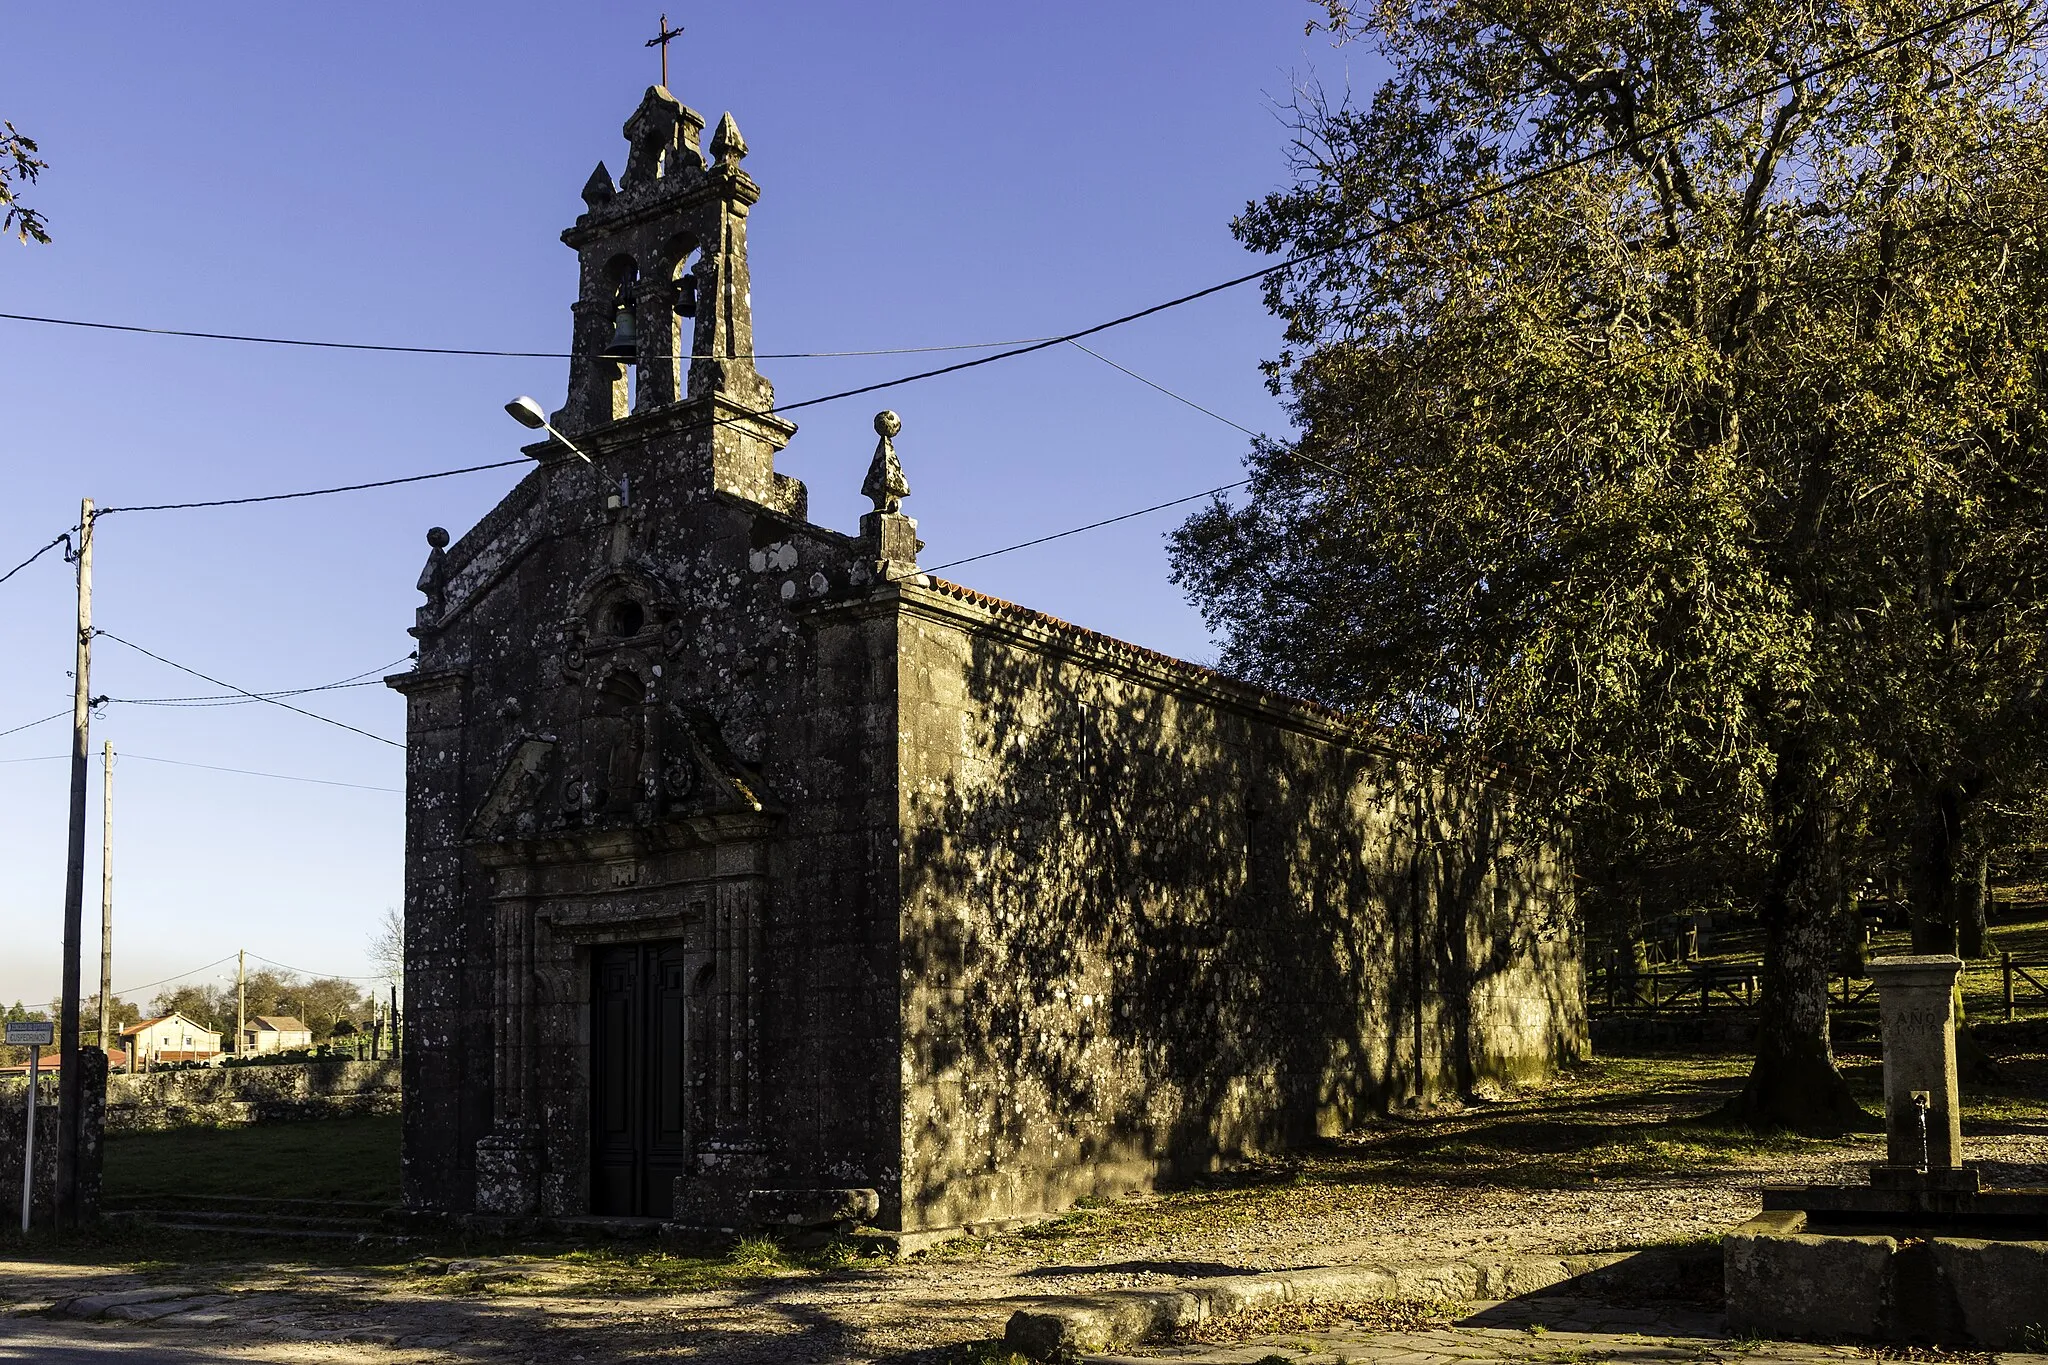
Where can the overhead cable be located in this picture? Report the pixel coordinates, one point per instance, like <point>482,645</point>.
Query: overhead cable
<point>309,493</point>
<point>369,677</point>
<point>320,976</point>
<point>251,772</point>
<point>32,724</point>
<point>130,990</point>
<point>502,355</point>
<point>64,540</point>
<point>311,715</point>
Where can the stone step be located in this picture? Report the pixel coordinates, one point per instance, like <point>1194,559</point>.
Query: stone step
<point>349,1208</point>
<point>176,1224</point>
<point>244,1225</point>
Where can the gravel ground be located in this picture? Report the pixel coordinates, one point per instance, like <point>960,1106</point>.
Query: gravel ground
<point>1602,1160</point>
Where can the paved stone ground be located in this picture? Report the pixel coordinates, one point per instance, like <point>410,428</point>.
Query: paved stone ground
<point>1534,1331</point>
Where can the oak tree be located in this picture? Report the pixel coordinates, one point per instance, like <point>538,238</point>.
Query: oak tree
<point>1668,385</point>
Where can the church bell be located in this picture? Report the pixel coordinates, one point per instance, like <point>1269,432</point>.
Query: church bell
<point>625,343</point>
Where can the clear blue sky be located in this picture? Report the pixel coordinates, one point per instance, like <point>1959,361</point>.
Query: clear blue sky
<point>933,173</point>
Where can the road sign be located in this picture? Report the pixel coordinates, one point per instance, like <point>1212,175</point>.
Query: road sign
<point>30,1033</point>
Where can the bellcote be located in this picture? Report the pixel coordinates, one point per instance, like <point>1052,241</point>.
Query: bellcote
<point>663,315</point>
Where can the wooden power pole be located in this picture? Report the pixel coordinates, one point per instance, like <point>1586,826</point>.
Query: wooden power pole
<point>241,999</point>
<point>107,899</point>
<point>70,1083</point>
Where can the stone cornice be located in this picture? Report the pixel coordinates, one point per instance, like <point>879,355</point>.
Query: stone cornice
<point>977,613</point>
<point>636,430</point>
<point>634,208</point>
<point>426,680</point>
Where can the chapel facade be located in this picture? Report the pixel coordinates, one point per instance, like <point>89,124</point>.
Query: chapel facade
<point>754,876</point>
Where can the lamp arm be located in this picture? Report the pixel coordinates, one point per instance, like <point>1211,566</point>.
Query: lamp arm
<point>549,428</point>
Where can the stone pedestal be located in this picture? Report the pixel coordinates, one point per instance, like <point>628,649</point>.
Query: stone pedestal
<point>1923,1118</point>
<point>892,539</point>
<point>507,1174</point>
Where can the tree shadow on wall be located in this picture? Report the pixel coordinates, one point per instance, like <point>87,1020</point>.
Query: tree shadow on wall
<point>1144,931</point>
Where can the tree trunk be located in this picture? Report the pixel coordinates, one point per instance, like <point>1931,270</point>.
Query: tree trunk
<point>1972,927</point>
<point>1932,898</point>
<point>1794,1083</point>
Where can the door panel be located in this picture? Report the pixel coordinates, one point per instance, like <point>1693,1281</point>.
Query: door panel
<point>640,1106</point>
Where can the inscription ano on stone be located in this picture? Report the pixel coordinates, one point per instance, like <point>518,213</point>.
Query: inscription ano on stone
<point>1922,1105</point>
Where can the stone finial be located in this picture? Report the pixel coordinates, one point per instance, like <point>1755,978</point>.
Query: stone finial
<point>885,485</point>
<point>433,578</point>
<point>728,148</point>
<point>662,138</point>
<point>599,189</point>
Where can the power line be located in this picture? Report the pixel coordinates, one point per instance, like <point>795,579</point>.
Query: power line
<point>309,493</point>
<point>232,698</point>
<point>64,540</point>
<point>502,355</point>
<point>32,724</point>
<point>369,677</point>
<point>312,715</point>
<point>1178,398</point>
<point>130,990</point>
<point>322,976</point>
<point>251,772</point>
<point>1091,526</point>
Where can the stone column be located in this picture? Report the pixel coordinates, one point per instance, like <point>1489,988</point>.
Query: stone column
<point>1922,1106</point>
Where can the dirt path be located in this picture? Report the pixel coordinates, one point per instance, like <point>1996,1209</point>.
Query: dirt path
<point>1601,1161</point>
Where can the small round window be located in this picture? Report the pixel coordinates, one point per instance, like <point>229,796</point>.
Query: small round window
<point>625,618</point>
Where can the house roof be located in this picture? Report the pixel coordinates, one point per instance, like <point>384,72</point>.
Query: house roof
<point>280,1023</point>
<point>140,1025</point>
<point>53,1059</point>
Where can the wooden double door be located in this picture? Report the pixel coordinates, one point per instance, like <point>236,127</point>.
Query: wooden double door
<point>640,1060</point>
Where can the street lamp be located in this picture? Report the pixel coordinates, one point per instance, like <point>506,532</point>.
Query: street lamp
<point>530,415</point>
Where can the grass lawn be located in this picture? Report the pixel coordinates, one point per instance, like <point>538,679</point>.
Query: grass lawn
<point>352,1158</point>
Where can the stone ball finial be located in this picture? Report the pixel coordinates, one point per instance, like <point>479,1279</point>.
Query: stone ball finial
<point>885,485</point>
<point>437,536</point>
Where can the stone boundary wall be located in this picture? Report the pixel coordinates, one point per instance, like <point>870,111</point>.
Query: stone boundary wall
<point>232,1096</point>
<point>13,1112</point>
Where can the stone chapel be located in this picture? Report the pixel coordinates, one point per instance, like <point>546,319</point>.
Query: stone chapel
<point>754,876</point>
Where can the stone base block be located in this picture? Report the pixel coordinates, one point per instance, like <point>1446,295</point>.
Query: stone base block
<point>507,1174</point>
<point>813,1208</point>
<point>1785,1280</point>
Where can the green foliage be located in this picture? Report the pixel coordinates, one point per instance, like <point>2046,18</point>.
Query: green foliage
<point>1705,476</point>
<point>19,165</point>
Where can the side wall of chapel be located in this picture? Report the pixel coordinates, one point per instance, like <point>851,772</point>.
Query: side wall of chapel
<point>1153,918</point>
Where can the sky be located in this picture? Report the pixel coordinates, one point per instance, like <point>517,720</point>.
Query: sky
<point>933,174</point>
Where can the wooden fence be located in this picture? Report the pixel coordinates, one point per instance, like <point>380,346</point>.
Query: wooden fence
<point>2008,969</point>
<point>1734,985</point>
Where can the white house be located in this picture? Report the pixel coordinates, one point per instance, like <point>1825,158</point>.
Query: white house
<point>275,1033</point>
<point>171,1038</point>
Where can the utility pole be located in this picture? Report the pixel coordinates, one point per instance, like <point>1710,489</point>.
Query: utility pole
<point>107,899</point>
<point>70,1083</point>
<point>241,999</point>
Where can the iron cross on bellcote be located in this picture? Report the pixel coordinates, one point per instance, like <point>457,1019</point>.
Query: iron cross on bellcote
<point>662,40</point>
